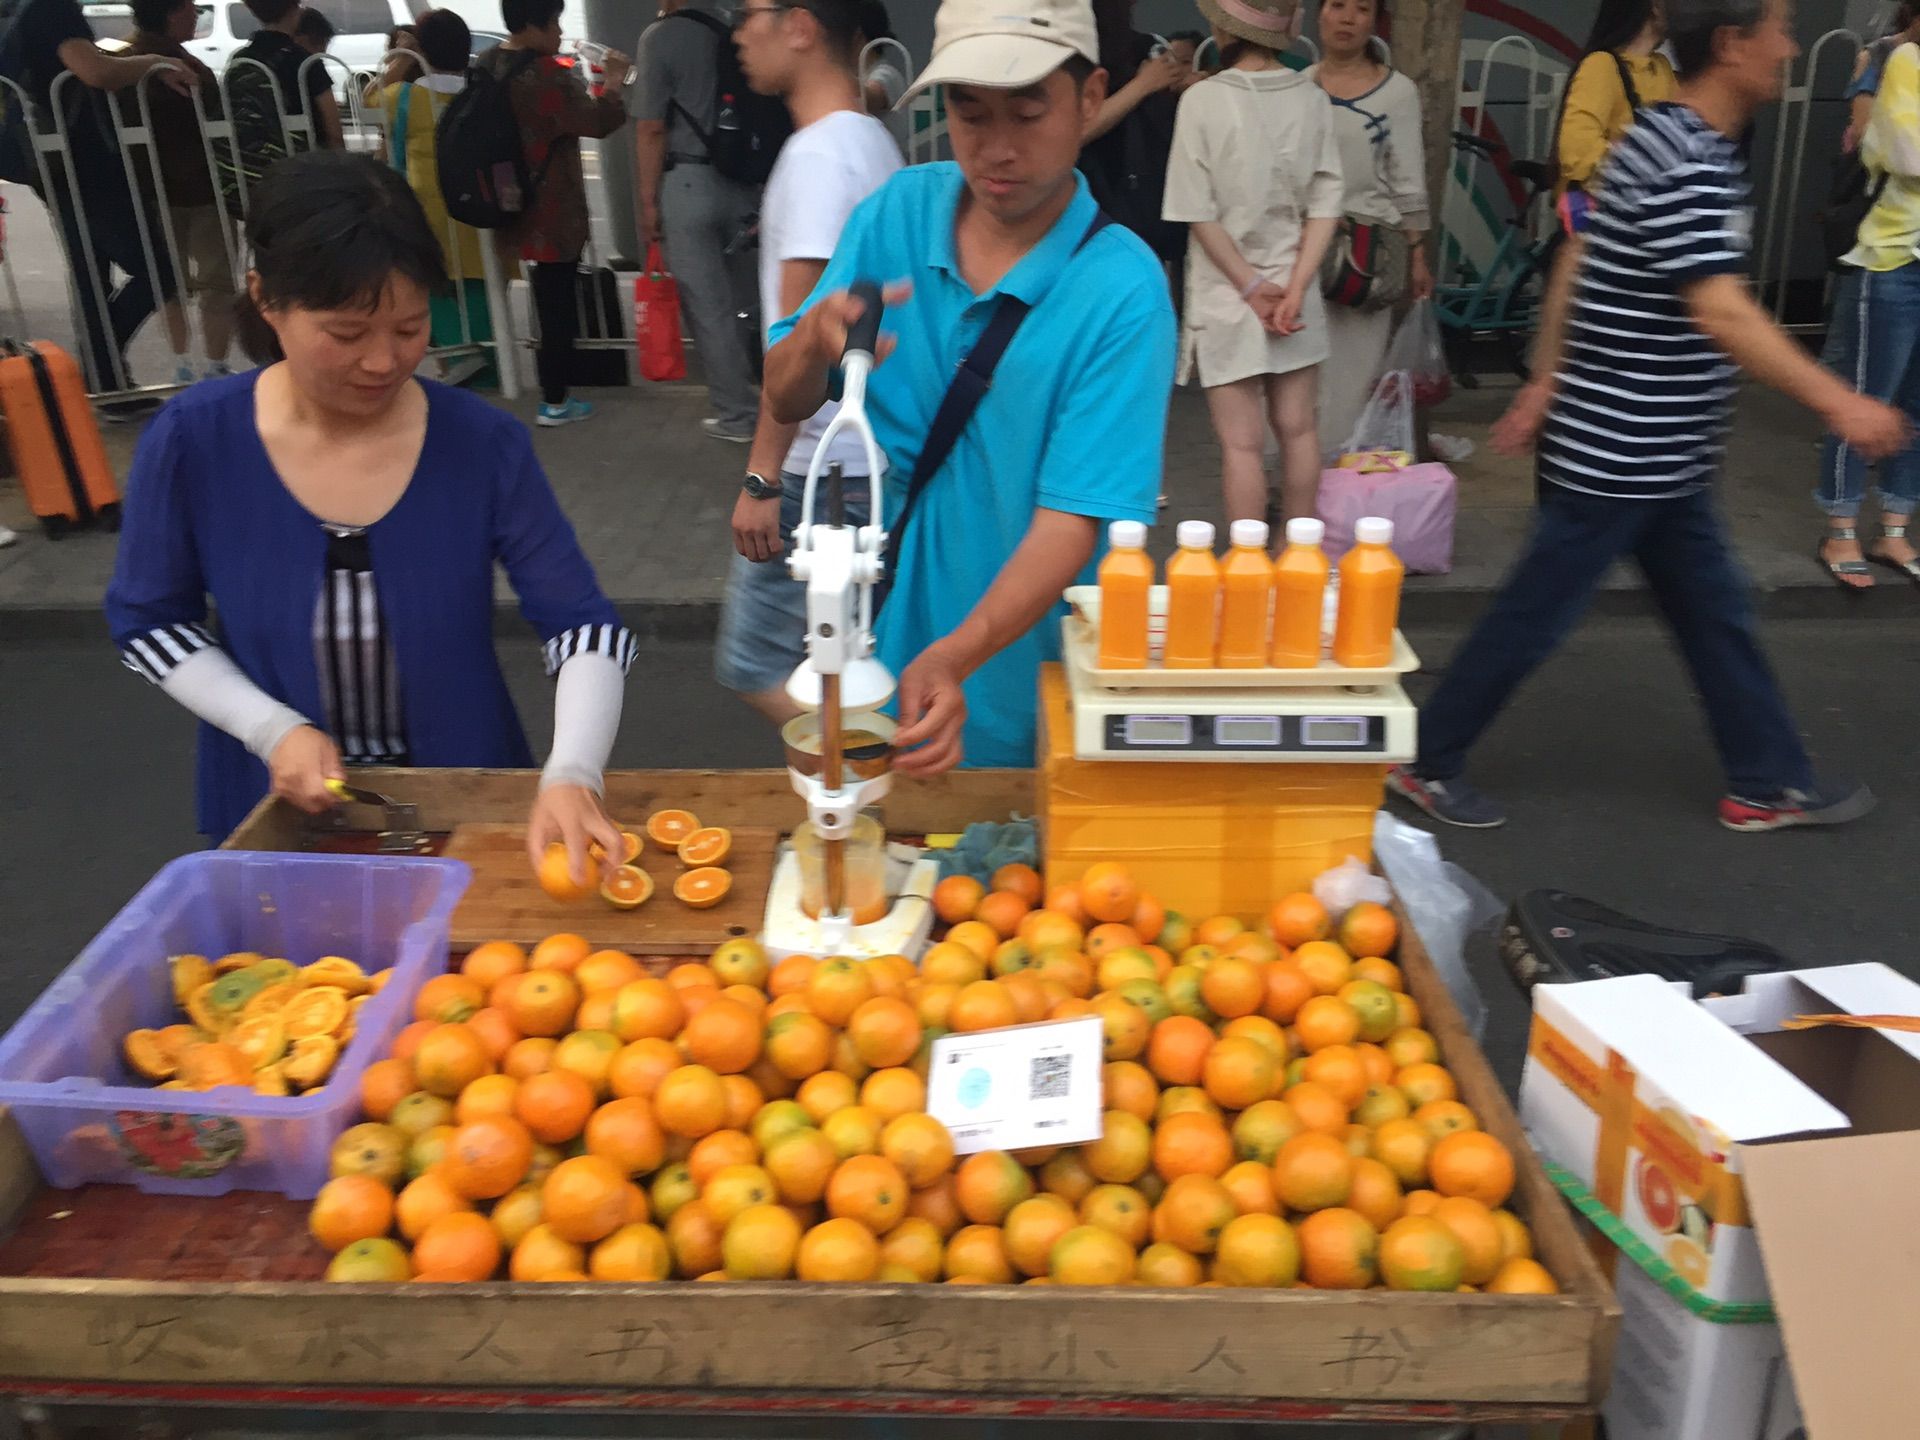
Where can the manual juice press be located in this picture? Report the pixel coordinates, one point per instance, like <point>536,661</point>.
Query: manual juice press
<point>1224,788</point>
<point>838,888</point>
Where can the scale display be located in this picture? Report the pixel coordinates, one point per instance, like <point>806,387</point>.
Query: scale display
<point>1246,734</point>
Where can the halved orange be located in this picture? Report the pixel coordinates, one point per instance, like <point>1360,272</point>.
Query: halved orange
<point>318,1011</point>
<point>272,1000</point>
<point>262,1040</point>
<point>200,1010</point>
<point>667,828</point>
<point>339,971</point>
<point>189,973</point>
<point>148,1056</point>
<point>630,852</point>
<point>311,1062</point>
<point>709,845</point>
<point>704,888</point>
<point>628,888</point>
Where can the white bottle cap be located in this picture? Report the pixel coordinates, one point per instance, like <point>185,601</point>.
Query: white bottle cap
<point>1127,534</point>
<point>1373,530</point>
<point>1306,532</point>
<point>1195,535</point>
<point>1251,534</point>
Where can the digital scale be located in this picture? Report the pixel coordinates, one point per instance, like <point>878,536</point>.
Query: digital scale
<point>1330,714</point>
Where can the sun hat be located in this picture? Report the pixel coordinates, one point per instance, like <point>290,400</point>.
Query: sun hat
<point>1006,44</point>
<point>1272,23</point>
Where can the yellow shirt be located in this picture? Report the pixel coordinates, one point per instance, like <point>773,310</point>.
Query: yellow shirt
<point>1890,235</point>
<point>1599,112</point>
<point>458,243</point>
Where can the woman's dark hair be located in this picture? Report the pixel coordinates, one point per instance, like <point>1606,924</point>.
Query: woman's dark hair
<point>518,15</point>
<point>875,23</point>
<point>1694,25</point>
<point>150,16</point>
<point>328,230</point>
<point>445,40</point>
<point>1618,25</point>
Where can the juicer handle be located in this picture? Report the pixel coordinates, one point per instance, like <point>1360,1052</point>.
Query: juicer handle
<point>864,335</point>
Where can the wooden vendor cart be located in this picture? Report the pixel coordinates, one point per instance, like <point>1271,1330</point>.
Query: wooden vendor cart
<point>190,1308</point>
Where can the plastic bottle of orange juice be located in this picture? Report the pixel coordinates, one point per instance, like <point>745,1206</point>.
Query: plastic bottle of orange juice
<point>1370,579</point>
<point>1126,580</point>
<point>1299,583</point>
<point>1246,597</point>
<point>1193,599</point>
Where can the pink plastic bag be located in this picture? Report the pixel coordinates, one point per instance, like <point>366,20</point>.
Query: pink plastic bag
<point>1420,500</point>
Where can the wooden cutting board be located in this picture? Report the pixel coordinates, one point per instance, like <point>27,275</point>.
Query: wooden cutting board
<point>506,902</point>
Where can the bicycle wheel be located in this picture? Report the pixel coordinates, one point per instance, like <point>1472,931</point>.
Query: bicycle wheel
<point>1524,303</point>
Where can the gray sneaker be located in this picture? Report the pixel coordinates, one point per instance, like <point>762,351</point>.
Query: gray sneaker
<point>732,434</point>
<point>1451,802</point>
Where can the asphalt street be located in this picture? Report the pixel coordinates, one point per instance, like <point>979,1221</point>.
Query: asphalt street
<point>1604,762</point>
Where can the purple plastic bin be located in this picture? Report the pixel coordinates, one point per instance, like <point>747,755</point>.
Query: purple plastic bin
<point>89,1120</point>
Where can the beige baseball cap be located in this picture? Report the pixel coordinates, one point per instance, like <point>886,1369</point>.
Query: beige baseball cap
<point>1006,44</point>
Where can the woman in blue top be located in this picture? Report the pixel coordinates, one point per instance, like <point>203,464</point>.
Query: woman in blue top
<point>343,520</point>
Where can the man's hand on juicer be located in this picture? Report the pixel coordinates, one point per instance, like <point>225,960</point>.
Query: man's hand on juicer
<point>933,711</point>
<point>827,324</point>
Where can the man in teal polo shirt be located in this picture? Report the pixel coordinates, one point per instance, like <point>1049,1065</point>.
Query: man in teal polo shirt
<point>1071,433</point>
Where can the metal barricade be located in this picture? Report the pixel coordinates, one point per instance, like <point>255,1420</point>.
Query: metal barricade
<point>1784,216</point>
<point>1502,74</point>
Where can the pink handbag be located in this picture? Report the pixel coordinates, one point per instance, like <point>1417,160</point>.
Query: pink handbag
<point>1420,500</point>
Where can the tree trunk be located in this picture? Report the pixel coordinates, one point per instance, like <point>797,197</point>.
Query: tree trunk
<point>1426,47</point>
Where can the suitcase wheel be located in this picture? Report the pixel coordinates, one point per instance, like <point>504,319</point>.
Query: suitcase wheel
<point>107,518</point>
<point>56,527</point>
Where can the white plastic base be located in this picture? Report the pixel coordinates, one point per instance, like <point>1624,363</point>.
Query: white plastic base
<point>904,930</point>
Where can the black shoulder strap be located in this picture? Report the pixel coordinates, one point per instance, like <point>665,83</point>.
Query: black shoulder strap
<point>970,385</point>
<point>725,37</point>
<point>1626,81</point>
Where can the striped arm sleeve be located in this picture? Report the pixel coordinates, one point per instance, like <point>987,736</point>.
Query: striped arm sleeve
<point>616,642</point>
<point>155,654</point>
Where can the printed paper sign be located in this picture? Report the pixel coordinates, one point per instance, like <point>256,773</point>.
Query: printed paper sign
<point>1021,1087</point>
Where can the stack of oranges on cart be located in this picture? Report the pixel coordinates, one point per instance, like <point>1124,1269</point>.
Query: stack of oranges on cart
<point>1275,1113</point>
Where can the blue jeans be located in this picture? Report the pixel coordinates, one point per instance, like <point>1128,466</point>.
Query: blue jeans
<point>1873,343</point>
<point>763,620</point>
<point>1679,547</point>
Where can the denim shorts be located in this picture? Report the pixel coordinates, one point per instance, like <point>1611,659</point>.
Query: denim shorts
<point>763,620</point>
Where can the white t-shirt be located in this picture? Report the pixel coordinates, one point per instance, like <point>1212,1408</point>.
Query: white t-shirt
<point>823,173</point>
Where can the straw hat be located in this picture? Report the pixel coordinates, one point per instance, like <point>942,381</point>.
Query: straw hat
<point>1272,23</point>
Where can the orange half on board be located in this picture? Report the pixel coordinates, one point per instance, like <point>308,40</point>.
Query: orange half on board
<point>628,888</point>
<point>704,888</point>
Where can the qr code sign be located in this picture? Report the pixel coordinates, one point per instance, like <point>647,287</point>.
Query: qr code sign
<point>1048,1077</point>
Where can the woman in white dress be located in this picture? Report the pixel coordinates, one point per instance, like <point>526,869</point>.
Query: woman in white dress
<point>1376,120</point>
<point>1255,171</point>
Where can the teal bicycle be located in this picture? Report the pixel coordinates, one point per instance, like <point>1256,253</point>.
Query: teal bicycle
<point>1501,302</point>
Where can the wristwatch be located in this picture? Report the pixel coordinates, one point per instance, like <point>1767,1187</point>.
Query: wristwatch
<point>761,488</point>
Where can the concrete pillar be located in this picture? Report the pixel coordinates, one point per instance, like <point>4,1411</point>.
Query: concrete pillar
<point>618,23</point>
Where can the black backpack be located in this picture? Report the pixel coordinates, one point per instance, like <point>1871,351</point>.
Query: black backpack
<point>748,128</point>
<point>16,134</point>
<point>260,137</point>
<point>480,154</point>
<point>1856,190</point>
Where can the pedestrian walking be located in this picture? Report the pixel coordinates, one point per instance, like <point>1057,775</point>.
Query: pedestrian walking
<point>688,206</point>
<point>1256,174</point>
<point>1873,338</point>
<point>303,89</point>
<point>200,238</point>
<point>343,520</point>
<point>556,112</point>
<point>98,216</point>
<point>1630,405</point>
<point>838,155</point>
<point>1000,505</point>
<point>412,109</point>
<point>1383,166</point>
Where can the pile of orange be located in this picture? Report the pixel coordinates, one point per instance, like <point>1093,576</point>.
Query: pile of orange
<point>1276,1115</point>
<point>700,849</point>
<point>255,1022</point>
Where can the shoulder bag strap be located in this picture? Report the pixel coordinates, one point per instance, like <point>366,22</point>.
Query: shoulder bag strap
<point>1626,81</point>
<point>723,36</point>
<point>970,385</point>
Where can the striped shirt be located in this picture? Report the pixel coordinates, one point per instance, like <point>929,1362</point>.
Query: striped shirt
<point>353,653</point>
<point>1644,396</point>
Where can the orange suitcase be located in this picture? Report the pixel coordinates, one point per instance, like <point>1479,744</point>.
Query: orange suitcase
<point>57,449</point>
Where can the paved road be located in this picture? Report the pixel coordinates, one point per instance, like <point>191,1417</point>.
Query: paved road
<point>1605,763</point>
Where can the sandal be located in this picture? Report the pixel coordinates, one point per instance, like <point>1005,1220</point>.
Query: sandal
<point>1908,568</point>
<point>1840,570</point>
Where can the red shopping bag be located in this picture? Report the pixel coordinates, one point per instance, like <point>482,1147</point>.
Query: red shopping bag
<point>656,322</point>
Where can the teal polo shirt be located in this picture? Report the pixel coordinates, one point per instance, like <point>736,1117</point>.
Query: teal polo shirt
<point>1076,419</point>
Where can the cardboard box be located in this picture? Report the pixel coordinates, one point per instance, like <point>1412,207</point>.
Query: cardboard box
<point>1762,1165</point>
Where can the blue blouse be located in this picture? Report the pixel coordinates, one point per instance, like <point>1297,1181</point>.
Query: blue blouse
<point>208,519</point>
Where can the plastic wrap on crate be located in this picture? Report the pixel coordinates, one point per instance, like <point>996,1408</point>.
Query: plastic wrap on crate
<point>89,1120</point>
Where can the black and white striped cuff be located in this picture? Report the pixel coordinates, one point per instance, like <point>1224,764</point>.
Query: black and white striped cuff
<point>616,642</point>
<point>159,652</point>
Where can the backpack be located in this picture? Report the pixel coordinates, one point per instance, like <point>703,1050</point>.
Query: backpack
<point>748,129</point>
<point>480,154</point>
<point>16,132</point>
<point>1855,191</point>
<point>259,136</point>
